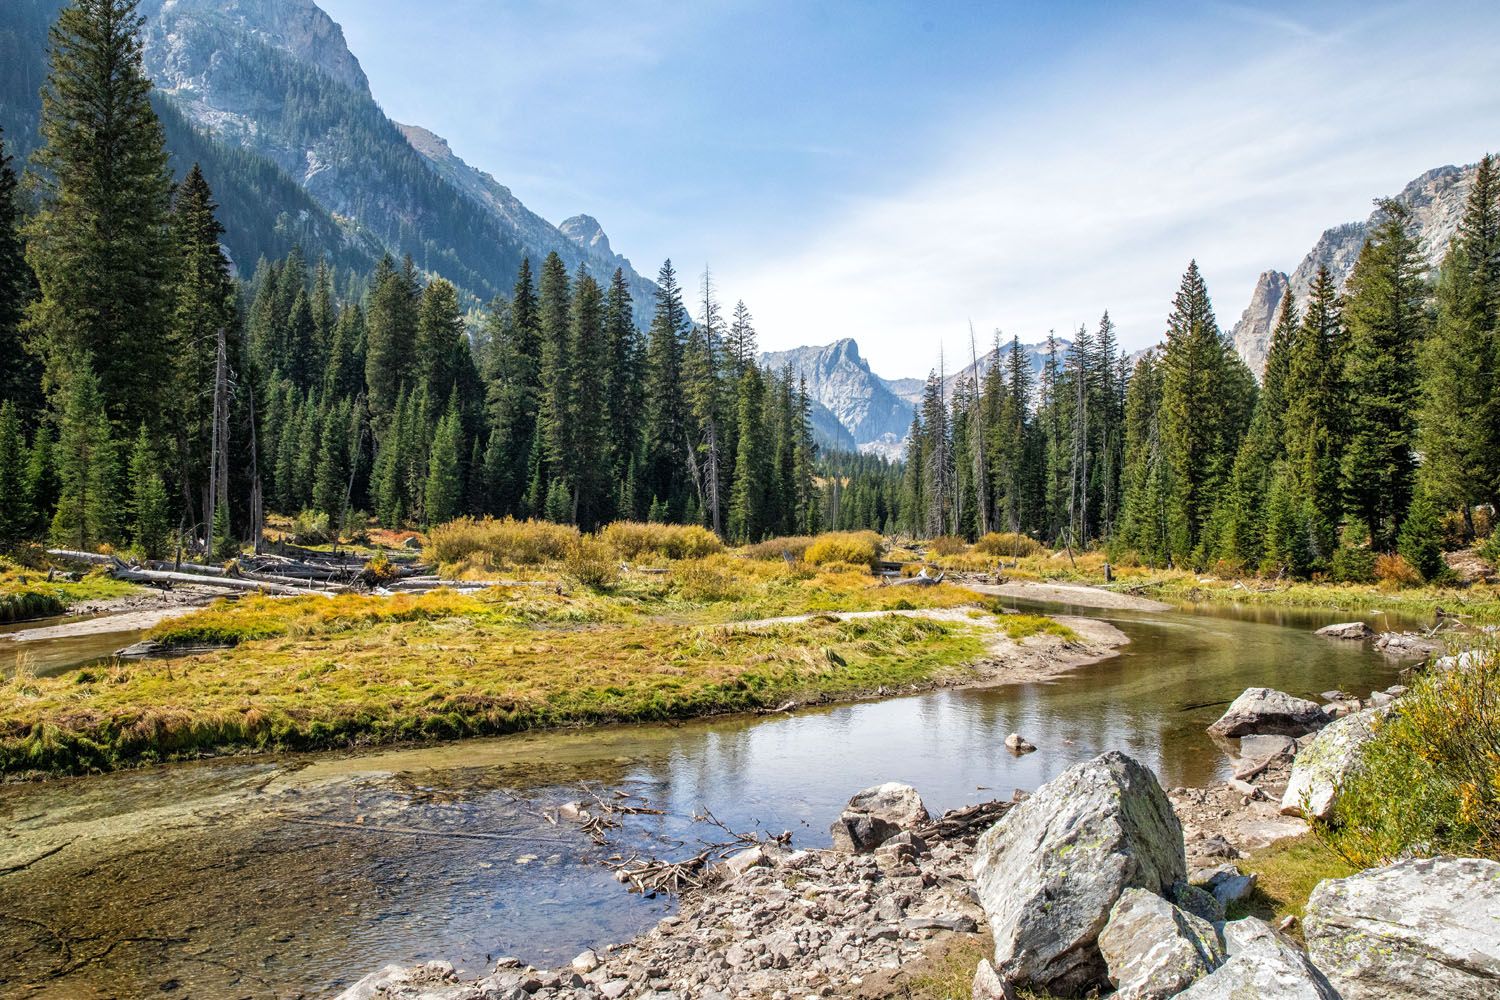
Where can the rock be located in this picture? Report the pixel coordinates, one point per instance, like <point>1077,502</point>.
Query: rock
<point>1155,950</point>
<point>1049,872</point>
<point>903,846</point>
<point>1244,788</point>
<point>1264,746</point>
<point>958,925</point>
<point>586,962</point>
<point>1263,710</point>
<point>1216,847</point>
<point>1261,966</point>
<point>738,864</point>
<point>1018,743</point>
<point>397,980</point>
<point>413,543</point>
<point>1336,695</point>
<point>1320,767</point>
<point>1346,630</point>
<point>1197,901</point>
<point>988,985</point>
<point>1225,883</point>
<point>1407,644</point>
<point>876,815</point>
<point>1421,928</point>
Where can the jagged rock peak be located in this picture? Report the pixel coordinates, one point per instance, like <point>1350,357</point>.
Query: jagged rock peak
<point>298,27</point>
<point>587,233</point>
<point>1252,334</point>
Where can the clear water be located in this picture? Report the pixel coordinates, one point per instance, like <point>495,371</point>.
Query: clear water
<point>294,876</point>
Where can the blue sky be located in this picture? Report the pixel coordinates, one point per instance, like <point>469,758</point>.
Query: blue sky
<point>893,171</point>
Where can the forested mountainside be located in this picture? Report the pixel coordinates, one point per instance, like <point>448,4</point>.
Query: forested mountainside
<point>267,97</point>
<point>1436,202</point>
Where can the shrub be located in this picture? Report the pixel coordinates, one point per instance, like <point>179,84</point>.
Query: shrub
<point>701,580</point>
<point>593,563</point>
<point>311,528</point>
<point>1429,781</point>
<point>1008,543</point>
<point>1395,571</point>
<point>861,548</point>
<point>1489,551</point>
<point>948,545</point>
<point>780,548</point>
<point>632,540</point>
<point>379,571</point>
<point>505,542</point>
<point>1354,565</point>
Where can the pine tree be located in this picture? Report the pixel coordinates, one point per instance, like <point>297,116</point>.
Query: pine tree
<point>1316,416</point>
<point>1207,399</point>
<point>331,473</point>
<point>747,506</point>
<point>344,375</point>
<point>626,369</point>
<point>444,486</point>
<point>15,504</point>
<point>1145,518</point>
<point>42,485</point>
<point>588,462</point>
<point>1287,529</point>
<point>148,499</point>
<point>700,373</point>
<point>1460,400</point>
<point>86,466</point>
<point>390,331</point>
<point>558,507</point>
<point>741,347</point>
<point>224,544</point>
<point>556,367</point>
<point>19,377</point>
<point>100,245</point>
<point>440,336</point>
<point>664,427</point>
<point>390,464</point>
<point>1386,321</point>
<point>937,459</point>
<point>1421,535</point>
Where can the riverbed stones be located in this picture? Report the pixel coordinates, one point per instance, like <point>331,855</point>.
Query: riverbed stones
<point>1346,630</point>
<point>875,815</point>
<point>1155,950</point>
<point>1419,928</point>
<point>1264,710</point>
<point>1226,883</point>
<point>1261,966</point>
<point>1262,746</point>
<point>1319,769</point>
<point>1050,871</point>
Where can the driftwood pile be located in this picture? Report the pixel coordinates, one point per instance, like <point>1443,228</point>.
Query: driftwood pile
<point>280,575</point>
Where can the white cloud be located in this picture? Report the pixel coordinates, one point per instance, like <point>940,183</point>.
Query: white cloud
<point>1042,218</point>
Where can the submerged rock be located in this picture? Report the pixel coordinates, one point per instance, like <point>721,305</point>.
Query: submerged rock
<point>1018,743</point>
<point>1049,873</point>
<point>1347,630</point>
<point>1261,966</point>
<point>875,815</point>
<point>1320,768</point>
<point>1155,950</point>
<point>1264,710</point>
<point>1417,929</point>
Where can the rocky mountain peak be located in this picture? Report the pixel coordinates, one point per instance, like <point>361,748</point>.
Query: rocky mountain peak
<point>587,233</point>
<point>1252,334</point>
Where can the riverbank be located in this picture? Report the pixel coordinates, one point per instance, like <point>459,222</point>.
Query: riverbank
<point>320,673</point>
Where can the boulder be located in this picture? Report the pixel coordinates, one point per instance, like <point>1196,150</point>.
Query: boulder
<point>1155,950</point>
<point>1264,747</point>
<point>1197,901</point>
<point>1018,743</point>
<point>1320,767</point>
<point>876,815</point>
<point>1407,644</point>
<point>1421,928</point>
<point>1263,710</point>
<point>1261,966</point>
<point>1225,883</point>
<point>988,985</point>
<point>1346,630</point>
<point>1051,870</point>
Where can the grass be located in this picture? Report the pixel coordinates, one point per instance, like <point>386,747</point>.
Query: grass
<point>1286,874</point>
<point>452,676</point>
<point>27,594</point>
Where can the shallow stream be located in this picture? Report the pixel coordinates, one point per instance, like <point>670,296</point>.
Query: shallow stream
<point>293,876</point>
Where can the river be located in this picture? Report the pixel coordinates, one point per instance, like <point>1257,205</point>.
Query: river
<point>292,876</point>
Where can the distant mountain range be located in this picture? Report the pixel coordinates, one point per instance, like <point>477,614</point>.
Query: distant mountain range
<point>266,95</point>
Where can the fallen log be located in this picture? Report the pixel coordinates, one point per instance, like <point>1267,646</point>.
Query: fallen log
<point>920,580</point>
<point>132,574</point>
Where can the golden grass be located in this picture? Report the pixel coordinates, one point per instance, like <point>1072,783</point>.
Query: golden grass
<point>854,548</point>
<point>1286,874</point>
<point>634,540</point>
<point>499,544</point>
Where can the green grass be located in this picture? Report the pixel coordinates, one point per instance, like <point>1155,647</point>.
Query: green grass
<point>1286,874</point>
<point>27,594</point>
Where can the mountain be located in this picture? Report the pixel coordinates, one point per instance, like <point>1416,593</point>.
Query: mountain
<point>841,380</point>
<point>266,95</point>
<point>1436,200</point>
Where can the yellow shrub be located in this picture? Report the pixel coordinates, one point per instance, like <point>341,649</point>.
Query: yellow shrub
<point>948,545</point>
<point>779,548</point>
<point>1395,571</point>
<point>1008,543</point>
<point>704,580</point>
<point>593,563</point>
<point>501,543</point>
<point>858,547</point>
<point>632,540</point>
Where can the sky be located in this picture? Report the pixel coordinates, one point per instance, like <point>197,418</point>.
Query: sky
<point>894,172</point>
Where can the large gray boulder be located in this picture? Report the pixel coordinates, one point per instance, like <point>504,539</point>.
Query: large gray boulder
<point>1422,928</point>
<point>1155,950</point>
<point>1261,966</point>
<point>1319,769</point>
<point>1052,869</point>
<point>1265,710</point>
<point>875,815</point>
<point>1346,630</point>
